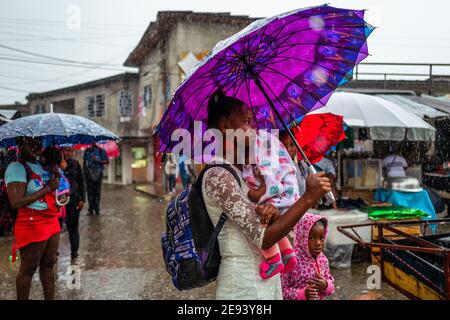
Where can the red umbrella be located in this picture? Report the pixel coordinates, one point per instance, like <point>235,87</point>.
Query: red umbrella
<point>317,133</point>
<point>111,148</point>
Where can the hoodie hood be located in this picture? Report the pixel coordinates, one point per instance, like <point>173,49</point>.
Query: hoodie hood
<point>302,230</point>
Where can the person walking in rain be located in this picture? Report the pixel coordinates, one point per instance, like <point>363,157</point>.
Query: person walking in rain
<point>171,170</point>
<point>77,199</point>
<point>94,161</point>
<point>184,172</point>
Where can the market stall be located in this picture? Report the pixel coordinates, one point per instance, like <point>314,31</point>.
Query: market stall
<point>377,128</point>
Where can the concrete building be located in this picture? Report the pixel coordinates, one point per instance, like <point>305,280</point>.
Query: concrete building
<point>111,102</point>
<point>10,112</point>
<point>168,49</point>
<point>131,105</point>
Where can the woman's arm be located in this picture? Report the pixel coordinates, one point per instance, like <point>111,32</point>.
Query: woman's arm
<point>316,187</point>
<point>221,186</point>
<point>18,199</point>
<point>16,185</point>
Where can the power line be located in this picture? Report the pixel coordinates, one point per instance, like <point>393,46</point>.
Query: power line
<point>12,89</point>
<point>23,78</point>
<point>38,28</point>
<point>84,72</point>
<point>51,58</point>
<point>60,64</point>
<point>27,67</point>
<point>53,22</point>
<point>40,37</point>
<point>104,44</point>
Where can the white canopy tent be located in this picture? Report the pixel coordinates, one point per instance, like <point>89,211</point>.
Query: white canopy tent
<point>385,120</point>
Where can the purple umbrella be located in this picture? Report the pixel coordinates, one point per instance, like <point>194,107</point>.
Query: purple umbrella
<point>282,67</point>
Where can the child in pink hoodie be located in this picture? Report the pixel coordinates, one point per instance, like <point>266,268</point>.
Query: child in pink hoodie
<point>311,278</point>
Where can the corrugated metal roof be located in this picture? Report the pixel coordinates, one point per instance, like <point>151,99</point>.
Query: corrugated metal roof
<point>8,113</point>
<point>437,103</point>
<point>417,106</point>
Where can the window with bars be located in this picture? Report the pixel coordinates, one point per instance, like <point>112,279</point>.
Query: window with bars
<point>90,101</point>
<point>95,106</point>
<point>39,108</point>
<point>100,105</point>
<point>147,96</point>
<point>125,103</point>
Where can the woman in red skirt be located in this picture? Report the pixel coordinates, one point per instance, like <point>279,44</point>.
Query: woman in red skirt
<point>30,191</point>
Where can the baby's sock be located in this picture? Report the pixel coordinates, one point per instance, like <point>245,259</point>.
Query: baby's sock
<point>270,267</point>
<point>287,255</point>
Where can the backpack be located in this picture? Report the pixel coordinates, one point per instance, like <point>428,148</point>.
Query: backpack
<point>189,245</point>
<point>7,213</point>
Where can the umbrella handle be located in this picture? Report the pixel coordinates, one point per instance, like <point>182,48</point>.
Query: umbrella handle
<point>329,195</point>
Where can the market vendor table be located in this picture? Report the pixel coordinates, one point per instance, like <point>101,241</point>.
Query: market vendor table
<point>416,200</point>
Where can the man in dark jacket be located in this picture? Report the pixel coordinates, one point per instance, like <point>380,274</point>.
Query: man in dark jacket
<point>94,161</point>
<point>74,173</point>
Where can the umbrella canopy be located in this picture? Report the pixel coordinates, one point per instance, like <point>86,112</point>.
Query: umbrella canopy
<point>111,148</point>
<point>54,129</point>
<point>282,67</point>
<point>317,133</point>
<point>385,119</point>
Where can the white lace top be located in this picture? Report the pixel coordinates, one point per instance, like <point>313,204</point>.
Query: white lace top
<point>240,239</point>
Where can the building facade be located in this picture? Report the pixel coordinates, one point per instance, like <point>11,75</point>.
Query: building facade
<point>111,102</point>
<point>168,49</point>
<point>131,105</point>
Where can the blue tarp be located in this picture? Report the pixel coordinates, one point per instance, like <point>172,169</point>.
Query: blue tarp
<point>416,200</point>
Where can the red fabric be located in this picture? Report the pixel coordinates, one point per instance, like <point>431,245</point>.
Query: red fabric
<point>111,148</point>
<point>62,213</point>
<point>35,226</point>
<point>317,133</point>
<point>50,199</point>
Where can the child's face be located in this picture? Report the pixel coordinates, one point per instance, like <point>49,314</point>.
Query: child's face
<point>316,239</point>
<point>289,145</point>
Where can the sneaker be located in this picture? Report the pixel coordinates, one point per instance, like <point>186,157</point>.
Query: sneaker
<point>289,260</point>
<point>269,268</point>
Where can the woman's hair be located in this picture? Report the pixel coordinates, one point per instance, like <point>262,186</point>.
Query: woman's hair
<point>221,106</point>
<point>20,141</point>
<point>51,156</point>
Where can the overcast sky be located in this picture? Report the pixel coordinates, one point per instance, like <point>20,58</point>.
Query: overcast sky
<point>408,31</point>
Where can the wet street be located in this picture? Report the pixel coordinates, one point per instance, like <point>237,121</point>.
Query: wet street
<point>123,260</point>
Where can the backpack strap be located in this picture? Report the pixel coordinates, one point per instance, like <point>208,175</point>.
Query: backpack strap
<point>223,217</point>
<point>389,167</point>
<point>27,169</point>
